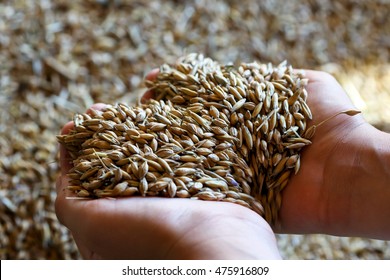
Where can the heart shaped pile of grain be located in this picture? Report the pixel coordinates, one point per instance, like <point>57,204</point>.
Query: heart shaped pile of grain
<point>213,132</point>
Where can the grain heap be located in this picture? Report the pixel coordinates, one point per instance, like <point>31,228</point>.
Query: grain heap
<point>59,57</point>
<point>213,132</point>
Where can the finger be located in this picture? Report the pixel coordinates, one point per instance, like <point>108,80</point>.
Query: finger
<point>62,183</point>
<point>67,207</point>
<point>327,98</point>
<point>147,95</point>
<point>97,107</point>
<point>152,75</point>
<point>65,158</point>
<point>67,128</point>
<point>325,86</point>
<point>315,76</point>
<point>65,162</point>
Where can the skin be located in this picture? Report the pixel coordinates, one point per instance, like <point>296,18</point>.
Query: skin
<point>341,189</point>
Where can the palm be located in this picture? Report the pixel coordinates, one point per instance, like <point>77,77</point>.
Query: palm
<point>161,228</point>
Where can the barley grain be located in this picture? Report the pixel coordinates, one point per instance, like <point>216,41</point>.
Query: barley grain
<point>210,134</point>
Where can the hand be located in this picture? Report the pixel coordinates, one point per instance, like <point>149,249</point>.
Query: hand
<point>305,199</point>
<point>341,187</point>
<point>161,228</point>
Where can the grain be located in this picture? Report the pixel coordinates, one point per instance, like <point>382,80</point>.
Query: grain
<point>39,94</point>
<point>225,130</point>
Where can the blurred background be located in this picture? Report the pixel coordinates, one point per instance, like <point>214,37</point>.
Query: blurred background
<point>58,57</point>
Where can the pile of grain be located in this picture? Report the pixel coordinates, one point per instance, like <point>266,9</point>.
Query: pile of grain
<point>59,57</point>
<point>213,133</point>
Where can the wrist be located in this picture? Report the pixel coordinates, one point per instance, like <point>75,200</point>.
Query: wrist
<point>360,205</point>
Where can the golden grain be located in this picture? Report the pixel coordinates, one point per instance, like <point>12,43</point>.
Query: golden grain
<point>210,134</point>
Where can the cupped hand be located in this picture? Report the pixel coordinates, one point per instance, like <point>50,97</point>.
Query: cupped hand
<point>160,228</point>
<point>319,198</point>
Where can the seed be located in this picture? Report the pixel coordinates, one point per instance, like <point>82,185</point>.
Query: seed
<point>214,112</point>
<point>205,195</point>
<point>310,132</point>
<point>257,109</point>
<point>89,173</point>
<point>157,126</point>
<point>217,184</point>
<point>183,194</point>
<point>95,184</point>
<point>188,92</point>
<point>248,137</point>
<point>280,166</point>
<point>143,170</point>
<point>212,133</point>
<point>238,105</point>
<point>184,171</point>
<point>201,121</point>
<point>119,188</point>
<point>235,92</point>
<point>143,186</point>
<point>140,116</point>
<point>162,119</point>
<point>220,79</point>
<point>296,146</point>
<point>291,161</point>
<point>298,116</point>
